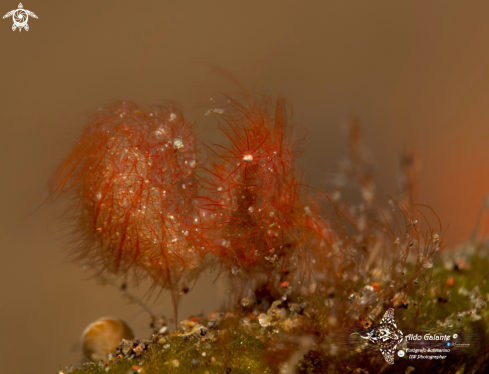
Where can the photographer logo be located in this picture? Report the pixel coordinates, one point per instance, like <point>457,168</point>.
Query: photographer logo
<point>20,17</point>
<point>387,336</point>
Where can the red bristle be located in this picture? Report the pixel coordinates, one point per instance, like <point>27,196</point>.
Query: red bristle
<point>254,183</point>
<point>131,176</point>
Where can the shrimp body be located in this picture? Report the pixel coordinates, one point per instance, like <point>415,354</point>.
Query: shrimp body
<point>254,183</point>
<point>132,180</point>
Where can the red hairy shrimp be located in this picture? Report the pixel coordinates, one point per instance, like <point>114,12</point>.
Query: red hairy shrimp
<point>132,187</point>
<point>254,184</point>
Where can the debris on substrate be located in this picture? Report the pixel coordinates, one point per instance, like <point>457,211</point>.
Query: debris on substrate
<point>290,337</point>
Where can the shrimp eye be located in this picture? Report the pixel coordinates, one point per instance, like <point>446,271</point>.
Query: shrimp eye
<point>248,158</point>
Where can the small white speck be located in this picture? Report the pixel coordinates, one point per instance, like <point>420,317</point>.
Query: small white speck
<point>248,158</point>
<point>214,111</point>
<point>177,143</point>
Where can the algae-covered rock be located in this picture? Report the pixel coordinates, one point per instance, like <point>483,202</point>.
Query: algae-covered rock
<point>287,338</point>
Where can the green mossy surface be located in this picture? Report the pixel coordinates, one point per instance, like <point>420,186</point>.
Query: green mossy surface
<point>451,297</point>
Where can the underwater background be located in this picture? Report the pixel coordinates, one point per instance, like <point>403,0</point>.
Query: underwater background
<point>413,74</point>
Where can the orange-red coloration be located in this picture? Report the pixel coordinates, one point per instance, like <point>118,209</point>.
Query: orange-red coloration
<point>375,286</point>
<point>132,179</point>
<point>141,210</point>
<point>254,185</point>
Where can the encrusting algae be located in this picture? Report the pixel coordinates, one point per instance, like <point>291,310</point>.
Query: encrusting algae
<point>322,282</point>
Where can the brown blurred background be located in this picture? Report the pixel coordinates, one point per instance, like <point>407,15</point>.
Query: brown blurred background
<point>414,73</point>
